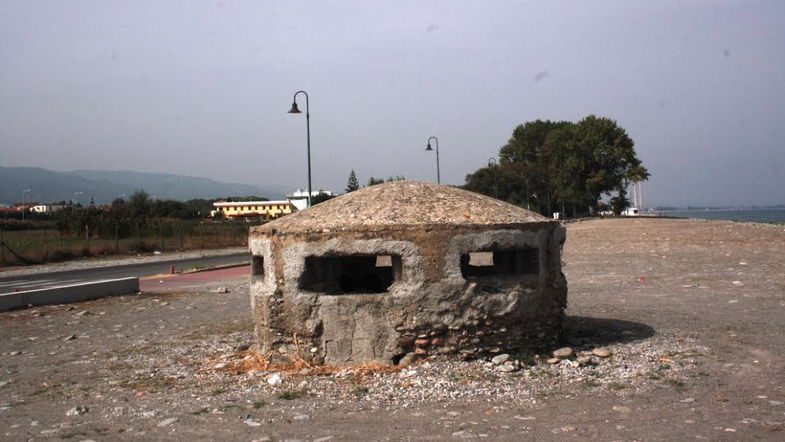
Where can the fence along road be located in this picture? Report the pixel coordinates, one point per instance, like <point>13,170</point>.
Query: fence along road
<point>54,279</point>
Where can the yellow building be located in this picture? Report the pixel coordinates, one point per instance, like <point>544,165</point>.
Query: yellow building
<point>265,209</point>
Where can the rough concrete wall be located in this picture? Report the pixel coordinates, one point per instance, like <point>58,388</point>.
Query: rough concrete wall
<point>477,316</point>
<point>431,309</point>
<point>265,297</point>
<point>355,327</point>
<point>343,329</point>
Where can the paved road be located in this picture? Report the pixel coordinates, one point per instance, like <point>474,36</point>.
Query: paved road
<point>41,280</point>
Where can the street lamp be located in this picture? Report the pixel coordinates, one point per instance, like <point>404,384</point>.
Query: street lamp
<point>77,195</point>
<point>492,164</point>
<point>24,209</point>
<point>428,148</point>
<point>295,110</point>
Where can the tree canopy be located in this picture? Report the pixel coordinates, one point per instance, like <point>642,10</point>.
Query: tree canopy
<point>372,181</point>
<point>320,198</point>
<point>562,166</point>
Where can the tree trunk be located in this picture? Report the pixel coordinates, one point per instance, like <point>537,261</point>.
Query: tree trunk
<point>548,202</point>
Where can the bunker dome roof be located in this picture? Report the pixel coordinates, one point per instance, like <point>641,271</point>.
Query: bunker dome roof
<point>402,204</point>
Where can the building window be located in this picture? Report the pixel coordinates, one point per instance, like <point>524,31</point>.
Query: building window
<point>336,275</point>
<point>500,263</point>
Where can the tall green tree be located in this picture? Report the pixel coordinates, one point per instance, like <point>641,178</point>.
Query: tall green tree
<point>140,204</point>
<point>594,157</point>
<point>352,184</point>
<point>549,166</point>
<point>521,176</point>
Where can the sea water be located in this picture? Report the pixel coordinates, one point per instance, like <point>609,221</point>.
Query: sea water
<point>774,215</point>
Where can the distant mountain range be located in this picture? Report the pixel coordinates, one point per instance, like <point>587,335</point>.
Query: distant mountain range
<point>104,186</point>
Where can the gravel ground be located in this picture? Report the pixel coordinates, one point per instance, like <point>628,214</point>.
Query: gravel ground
<point>676,329</point>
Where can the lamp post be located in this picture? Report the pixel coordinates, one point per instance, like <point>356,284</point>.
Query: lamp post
<point>428,148</point>
<point>77,195</point>
<point>492,164</point>
<point>24,209</point>
<point>295,110</point>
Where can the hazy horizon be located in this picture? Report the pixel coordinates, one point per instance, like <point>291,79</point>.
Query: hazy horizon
<point>202,89</point>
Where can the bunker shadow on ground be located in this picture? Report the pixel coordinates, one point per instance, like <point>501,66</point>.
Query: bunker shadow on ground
<point>582,330</point>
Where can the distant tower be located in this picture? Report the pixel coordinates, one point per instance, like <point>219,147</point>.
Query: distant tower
<point>636,194</point>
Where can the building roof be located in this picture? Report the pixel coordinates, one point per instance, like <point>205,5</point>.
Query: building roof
<point>403,203</point>
<point>248,203</point>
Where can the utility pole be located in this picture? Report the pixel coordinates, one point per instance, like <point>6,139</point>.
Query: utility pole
<point>2,248</point>
<point>24,209</point>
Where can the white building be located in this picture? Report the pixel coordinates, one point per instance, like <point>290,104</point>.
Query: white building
<point>47,208</point>
<point>630,211</point>
<point>299,198</point>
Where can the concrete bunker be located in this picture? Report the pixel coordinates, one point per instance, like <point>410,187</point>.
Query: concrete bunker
<point>406,269</point>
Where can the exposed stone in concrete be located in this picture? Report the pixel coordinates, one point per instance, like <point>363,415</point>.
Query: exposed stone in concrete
<point>500,359</point>
<point>406,267</point>
<point>563,353</point>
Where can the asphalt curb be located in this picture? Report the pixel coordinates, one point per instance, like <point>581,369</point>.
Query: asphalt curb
<point>220,267</point>
<point>69,293</point>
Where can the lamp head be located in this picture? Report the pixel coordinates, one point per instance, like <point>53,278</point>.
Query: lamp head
<point>428,148</point>
<point>294,109</point>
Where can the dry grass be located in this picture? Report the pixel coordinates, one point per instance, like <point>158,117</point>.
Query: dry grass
<point>249,361</point>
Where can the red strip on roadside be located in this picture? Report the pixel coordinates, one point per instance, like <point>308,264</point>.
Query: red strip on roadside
<point>165,282</point>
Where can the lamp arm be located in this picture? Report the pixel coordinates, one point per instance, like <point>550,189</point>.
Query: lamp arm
<point>306,100</point>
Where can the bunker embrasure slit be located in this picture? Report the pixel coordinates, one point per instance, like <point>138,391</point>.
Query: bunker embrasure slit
<point>345,274</point>
<point>257,266</point>
<point>500,263</point>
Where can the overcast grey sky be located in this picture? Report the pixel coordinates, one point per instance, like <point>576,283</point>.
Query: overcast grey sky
<point>202,87</point>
